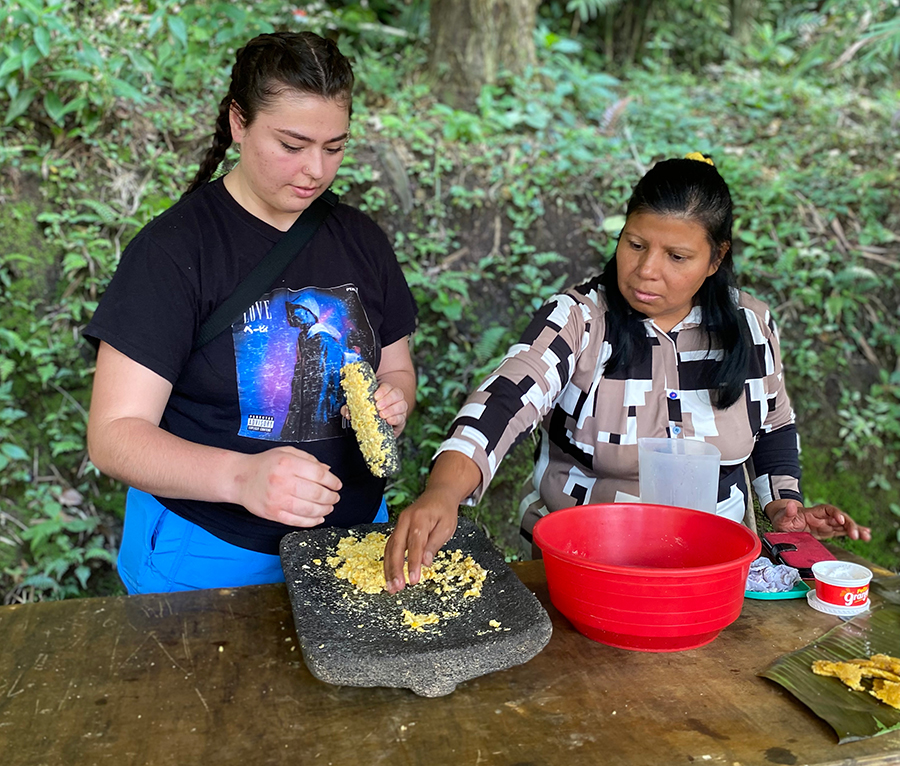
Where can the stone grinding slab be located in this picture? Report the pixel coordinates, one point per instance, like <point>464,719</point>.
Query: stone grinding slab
<point>349,638</point>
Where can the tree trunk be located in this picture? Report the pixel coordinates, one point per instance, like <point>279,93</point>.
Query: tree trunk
<point>472,41</point>
<point>636,31</point>
<point>741,12</point>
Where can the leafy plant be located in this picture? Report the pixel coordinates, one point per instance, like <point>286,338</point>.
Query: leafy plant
<point>490,212</point>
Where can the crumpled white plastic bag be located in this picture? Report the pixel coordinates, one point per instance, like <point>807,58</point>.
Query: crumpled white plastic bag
<point>766,577</point>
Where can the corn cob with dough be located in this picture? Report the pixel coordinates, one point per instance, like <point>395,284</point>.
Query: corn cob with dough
<point>374,434</point>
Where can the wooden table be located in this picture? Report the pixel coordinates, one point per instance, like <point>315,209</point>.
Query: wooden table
<point>216,677</point>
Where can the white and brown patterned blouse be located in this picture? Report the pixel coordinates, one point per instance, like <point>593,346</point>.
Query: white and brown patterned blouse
<point>590,422</point>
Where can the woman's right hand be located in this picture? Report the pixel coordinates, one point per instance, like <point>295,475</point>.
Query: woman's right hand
<point>286,485</point>
<point>424,527</point>
<point>126,442</point>
<point>421,531</point>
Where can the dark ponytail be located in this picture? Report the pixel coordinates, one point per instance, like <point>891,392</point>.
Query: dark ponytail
<point>267,66</point>
<point>693,190</point>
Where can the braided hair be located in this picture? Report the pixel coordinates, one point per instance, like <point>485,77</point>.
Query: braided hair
<point>691,190</point>
<point>266,67</point>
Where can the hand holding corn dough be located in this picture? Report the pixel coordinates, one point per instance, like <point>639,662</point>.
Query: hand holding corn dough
<point>374,434</point>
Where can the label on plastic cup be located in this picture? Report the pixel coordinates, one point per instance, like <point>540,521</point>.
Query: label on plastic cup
<point>841,583</point>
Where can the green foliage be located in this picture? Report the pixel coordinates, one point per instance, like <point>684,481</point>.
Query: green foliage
<point>66,70</point>
<point>65,67</point>
<point>588,10</point>
<point>859,39</point>
<point>851,490</point>
<point>66,548</point>
<point>491,211</point>
<point>870,430</point>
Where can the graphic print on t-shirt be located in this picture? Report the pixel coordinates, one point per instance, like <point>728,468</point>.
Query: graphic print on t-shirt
<point>289,349</point>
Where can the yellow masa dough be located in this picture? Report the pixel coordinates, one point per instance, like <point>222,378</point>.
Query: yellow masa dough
<point>360,561</point>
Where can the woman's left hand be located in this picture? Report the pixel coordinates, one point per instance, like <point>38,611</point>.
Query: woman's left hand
<point>395,397</point>
<point>821,521</point>
<point>392,406</point>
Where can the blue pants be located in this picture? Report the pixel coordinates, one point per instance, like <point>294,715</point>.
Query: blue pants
<point>162,552</point>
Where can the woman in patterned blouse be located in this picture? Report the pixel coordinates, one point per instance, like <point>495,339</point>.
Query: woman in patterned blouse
<point>661,344</point>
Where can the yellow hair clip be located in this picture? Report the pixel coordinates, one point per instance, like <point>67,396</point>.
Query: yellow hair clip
<point>700,158</point>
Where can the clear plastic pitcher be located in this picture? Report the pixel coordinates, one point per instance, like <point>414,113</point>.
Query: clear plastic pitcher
<point>679,472</point>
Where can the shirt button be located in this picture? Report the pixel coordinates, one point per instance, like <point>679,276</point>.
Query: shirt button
<point>673,394</point>
<point>676,430</point>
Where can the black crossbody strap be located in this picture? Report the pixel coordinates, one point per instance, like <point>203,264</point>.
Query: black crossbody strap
<point>268,269</point>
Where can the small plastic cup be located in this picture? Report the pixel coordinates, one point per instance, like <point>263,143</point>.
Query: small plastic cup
<point>841,587</point>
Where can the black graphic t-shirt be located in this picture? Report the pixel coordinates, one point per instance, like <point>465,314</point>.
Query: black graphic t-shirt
<point>275,378</point>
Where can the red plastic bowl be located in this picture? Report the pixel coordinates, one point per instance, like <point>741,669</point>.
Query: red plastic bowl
<point>653,578</point>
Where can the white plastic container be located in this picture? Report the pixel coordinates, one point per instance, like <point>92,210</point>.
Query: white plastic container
<point>679,472</point>
<point>842,588</point>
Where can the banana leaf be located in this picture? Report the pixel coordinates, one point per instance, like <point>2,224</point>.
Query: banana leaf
<point>887,588</point>
<point>852,714</point>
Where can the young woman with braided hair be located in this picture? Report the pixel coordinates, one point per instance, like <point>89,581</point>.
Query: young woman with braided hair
<point>230,445</point>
